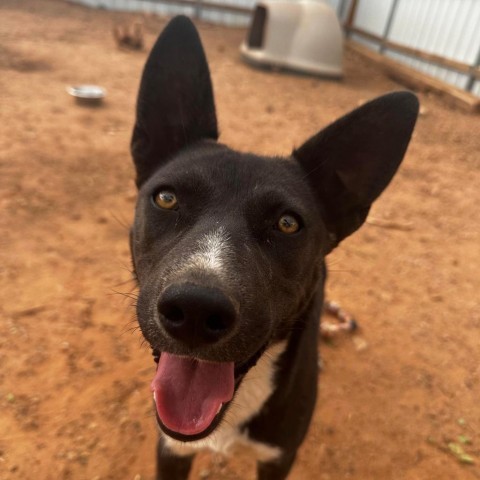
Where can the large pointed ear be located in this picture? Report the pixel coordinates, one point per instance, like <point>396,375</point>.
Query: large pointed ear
<point>175,105</point>
<point>349,163</point>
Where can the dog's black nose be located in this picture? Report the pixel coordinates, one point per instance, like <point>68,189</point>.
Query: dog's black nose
<point>196,315</point>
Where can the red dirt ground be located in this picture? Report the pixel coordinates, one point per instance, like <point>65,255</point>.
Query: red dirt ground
<point>74,378</point>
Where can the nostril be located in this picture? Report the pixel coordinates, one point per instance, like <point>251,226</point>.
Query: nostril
<point>195,314</point>
<point>216,323</point>
<point>173,313</point>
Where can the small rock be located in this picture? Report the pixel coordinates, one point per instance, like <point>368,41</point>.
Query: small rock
<point>360,344</point>
<point>220,461</point>
<point>321,364</point>
<point>204,474</point>
<point>71,455</point>
<point>137,426</point>
<point>98,364</point>
<point>385,296</point>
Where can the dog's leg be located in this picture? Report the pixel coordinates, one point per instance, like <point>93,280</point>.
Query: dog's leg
<point>283,422</point>
<point>171,466</point>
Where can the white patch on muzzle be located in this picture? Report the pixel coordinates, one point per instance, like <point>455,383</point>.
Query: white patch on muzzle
<point>212,253</point>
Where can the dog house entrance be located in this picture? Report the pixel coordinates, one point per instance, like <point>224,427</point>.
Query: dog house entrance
<point>304,36</point>
<point>255,35</point>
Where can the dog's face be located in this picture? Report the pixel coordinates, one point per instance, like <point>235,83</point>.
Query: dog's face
<point>236,234</point>
<point>228,248</point>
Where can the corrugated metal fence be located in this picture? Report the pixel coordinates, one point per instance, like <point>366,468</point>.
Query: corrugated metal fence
<point>448,29</point>
<point>445,29</point>
<point>228,12</point>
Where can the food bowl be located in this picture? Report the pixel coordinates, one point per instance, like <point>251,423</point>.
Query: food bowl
<point>87,94</point>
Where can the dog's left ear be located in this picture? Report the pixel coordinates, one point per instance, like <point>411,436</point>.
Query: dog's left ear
<point>175,105</point>
<point>350,163</point>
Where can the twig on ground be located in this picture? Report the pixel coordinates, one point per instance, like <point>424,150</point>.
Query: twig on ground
<point>379,222</point>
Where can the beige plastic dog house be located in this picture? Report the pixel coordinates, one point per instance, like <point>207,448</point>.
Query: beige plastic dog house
<point>300,35</point>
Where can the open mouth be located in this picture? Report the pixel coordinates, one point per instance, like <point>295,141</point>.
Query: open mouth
<point>191,396</point>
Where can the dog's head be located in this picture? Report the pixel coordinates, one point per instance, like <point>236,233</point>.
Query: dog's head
<point>228,247</point>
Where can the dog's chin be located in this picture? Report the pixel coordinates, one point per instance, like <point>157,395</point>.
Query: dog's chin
<point>240,370</point>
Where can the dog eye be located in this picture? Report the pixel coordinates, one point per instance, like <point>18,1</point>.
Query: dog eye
<point>288,224</point>
<point>165,199</point>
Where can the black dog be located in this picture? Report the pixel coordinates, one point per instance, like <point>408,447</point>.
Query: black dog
<point>229,248</point>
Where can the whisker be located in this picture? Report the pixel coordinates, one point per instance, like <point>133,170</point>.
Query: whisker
<point>131,295</point>
<point>121,222</point>
<point>125,282</point>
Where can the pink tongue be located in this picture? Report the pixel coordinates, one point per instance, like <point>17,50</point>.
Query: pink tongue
<point>190,392</point>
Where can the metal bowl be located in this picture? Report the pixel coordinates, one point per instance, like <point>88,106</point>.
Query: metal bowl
<point>87,94</point>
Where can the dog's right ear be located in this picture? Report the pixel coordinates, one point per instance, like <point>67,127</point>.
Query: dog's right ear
<point>349,163</point>
<point>175,105</point>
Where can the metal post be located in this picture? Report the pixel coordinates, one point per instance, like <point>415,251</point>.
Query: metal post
<point>351,16</point>
<point>471,78</point>
<point>388,26</point>
<point>341,9</point>
<point>198,9</point>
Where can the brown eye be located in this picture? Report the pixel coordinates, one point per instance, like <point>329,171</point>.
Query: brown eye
<point>166,200</point>
<point>288,224</point>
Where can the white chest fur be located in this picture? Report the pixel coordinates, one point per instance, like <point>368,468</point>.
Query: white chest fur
<point>255,389</point>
